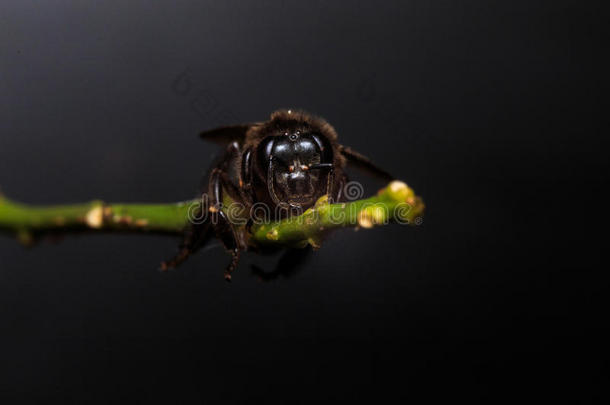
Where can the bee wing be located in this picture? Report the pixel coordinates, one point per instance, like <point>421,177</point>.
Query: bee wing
<point>226,135</point>
<point>359,161</point>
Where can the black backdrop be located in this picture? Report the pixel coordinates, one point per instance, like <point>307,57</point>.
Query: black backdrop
<point>490,110</point>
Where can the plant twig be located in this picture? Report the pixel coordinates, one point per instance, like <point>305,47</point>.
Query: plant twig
<point>394,203</point>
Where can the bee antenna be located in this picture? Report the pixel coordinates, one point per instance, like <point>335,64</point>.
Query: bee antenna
<point>329,184</point>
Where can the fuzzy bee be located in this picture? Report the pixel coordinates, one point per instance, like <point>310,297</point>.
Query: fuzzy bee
<point>286,164</point>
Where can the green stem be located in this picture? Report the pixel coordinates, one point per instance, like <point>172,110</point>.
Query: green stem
<point>394,203</point>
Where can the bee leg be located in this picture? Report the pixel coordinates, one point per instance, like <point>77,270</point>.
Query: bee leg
<point>233,265</point>
<point>194,238</point>
<point>249,224</point>
<point>222,226</point>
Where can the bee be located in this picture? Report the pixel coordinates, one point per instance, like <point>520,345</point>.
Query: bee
<point>284,164</point>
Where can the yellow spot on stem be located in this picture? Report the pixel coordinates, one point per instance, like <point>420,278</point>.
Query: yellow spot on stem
<point>314,243</point>
<point>95,217</point>
<point>142,222</point>
<point>364,220</point>
<point>399,191</point>
<point>397,185</point>
<point>371,216</point>
<point>273,234</point>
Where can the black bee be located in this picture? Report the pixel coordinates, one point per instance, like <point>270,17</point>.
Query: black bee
<point>286,164</point>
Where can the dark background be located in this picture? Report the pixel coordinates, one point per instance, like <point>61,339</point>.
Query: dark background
<point>489,110</point>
